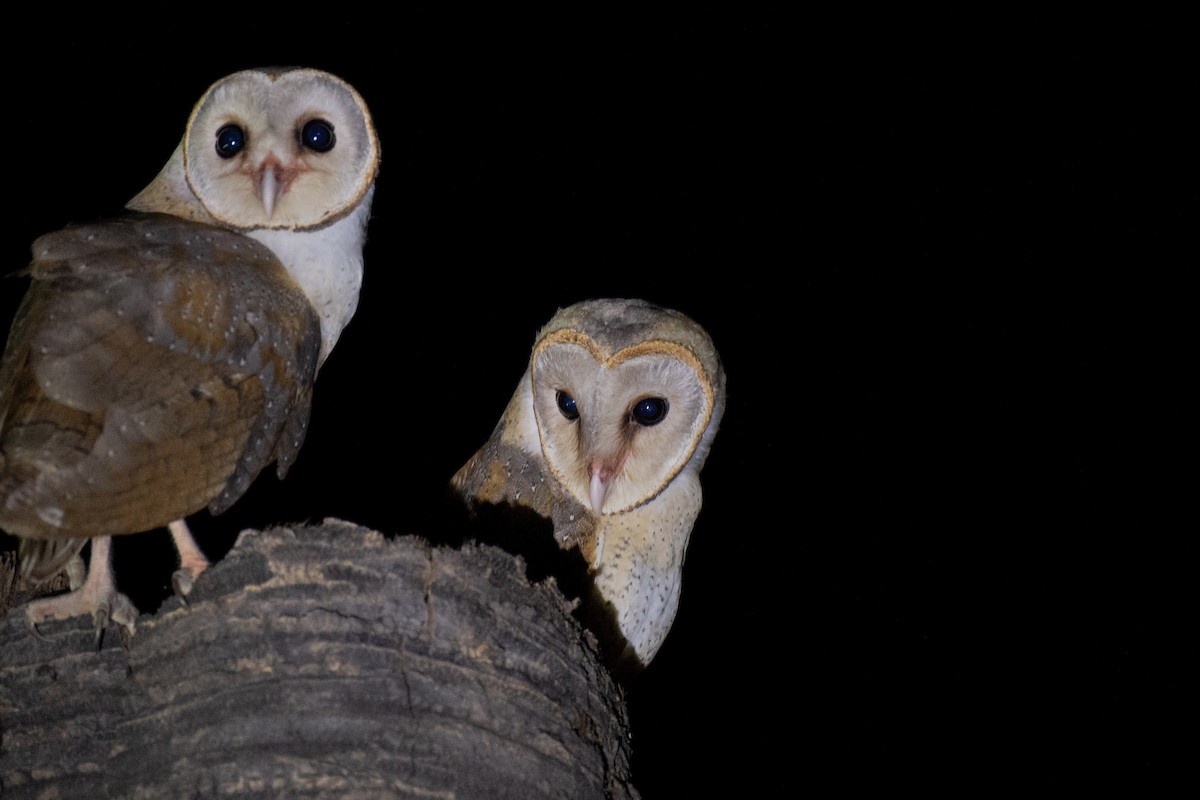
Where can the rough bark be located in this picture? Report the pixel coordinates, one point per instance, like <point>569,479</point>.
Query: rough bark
<point>321,662</point>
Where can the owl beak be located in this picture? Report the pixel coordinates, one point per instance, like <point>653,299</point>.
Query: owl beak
<point>273,178</point>
<point>268,188</point>
<point>602,472</point>
<point>598,488</point>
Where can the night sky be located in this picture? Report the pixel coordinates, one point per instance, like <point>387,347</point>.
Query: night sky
<point>926,261</point>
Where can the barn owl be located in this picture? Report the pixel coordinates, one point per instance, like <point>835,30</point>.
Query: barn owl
<point>160,360</point>
<point>606,435</point>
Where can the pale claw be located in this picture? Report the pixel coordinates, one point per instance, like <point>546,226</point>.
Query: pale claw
<point>182,583</point>
<point>124,612</point>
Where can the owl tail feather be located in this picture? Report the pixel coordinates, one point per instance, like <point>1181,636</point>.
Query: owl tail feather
<point>42,559</point>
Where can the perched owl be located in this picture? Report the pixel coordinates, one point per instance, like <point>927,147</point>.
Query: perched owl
<point>160,360</point>
<point>605,436</point>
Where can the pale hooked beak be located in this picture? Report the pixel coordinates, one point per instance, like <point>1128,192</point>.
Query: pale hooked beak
<point>268,188</point>
<point>598,490</point>
<point>273,178</point>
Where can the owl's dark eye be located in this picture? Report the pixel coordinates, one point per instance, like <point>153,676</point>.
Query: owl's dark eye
<point>317,135</point>
<point>566,404</point>
<point>231,139</point>
<point>649,410</point>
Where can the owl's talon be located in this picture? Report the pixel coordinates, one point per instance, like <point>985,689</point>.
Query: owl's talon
<point>100,621</point>
<point>33,629</point>
<point>97,597</point>
<point>124,612</point>
<point>182,583</point>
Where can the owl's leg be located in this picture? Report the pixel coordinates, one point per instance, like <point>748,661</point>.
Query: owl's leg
<point>191,560</point>
<point>98,596</point>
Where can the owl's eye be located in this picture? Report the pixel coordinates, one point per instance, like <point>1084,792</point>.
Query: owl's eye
<point>566,404</point>
<point>231,139</point>
<point>317,135</point>
<point>649,410</point>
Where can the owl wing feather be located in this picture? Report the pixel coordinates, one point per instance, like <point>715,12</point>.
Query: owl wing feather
<point>155,366</point>
<point>500,473</point>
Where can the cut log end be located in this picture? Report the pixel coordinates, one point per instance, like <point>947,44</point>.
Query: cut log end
<point>322,661</point>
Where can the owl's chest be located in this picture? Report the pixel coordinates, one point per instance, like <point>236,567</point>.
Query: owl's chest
<point>328,265</point>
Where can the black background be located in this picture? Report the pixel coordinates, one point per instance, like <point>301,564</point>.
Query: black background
<point>927,249</point>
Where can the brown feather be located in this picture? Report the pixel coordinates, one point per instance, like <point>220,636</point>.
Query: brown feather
<point>154,367</point>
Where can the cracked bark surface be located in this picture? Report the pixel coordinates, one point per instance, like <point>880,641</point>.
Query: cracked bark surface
<point>320,661</point>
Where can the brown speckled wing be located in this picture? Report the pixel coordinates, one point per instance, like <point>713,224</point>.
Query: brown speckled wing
<point>499,473</point>
<point>155,367</point>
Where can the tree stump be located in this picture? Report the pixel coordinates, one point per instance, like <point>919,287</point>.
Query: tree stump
<point>323,661</point>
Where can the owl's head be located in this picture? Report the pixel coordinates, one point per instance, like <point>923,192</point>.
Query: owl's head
<point>275,149</point>
<point>627,395</point>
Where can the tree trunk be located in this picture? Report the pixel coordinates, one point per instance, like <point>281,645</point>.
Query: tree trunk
<point>323,661</point>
